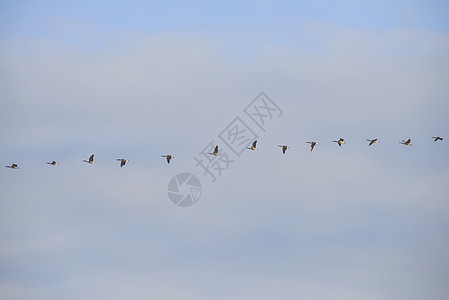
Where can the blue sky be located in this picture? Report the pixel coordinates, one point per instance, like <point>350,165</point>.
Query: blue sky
<point>145,78</point>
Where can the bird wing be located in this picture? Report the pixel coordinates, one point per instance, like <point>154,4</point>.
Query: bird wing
<point>216,149</point>
<point>91,158</point>
<point>254,144</point>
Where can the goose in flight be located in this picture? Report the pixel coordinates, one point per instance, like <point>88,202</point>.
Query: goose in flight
<point>168,157</point>
<point>215,151</point>
<point>253,146</point>
<point>312,144</point>
<point>406,142</point>
<point>340,141</point>
<point>437,138</point>
<point>91,160</point>
<point>53,163</point>
<point>122,161</point>
<point>13,166</point>
<point>284,148</point>
<point>372,141</point>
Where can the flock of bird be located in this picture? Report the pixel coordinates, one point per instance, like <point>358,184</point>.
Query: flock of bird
<point>253,147</point>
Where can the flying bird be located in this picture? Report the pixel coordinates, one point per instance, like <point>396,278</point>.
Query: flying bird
<point>215,151</point>
<point>312,144</point>
<point>168,157</point>
<point>284,148</point>
<point>13,166</point>
<point>372,141</point>
<point>437,138</point>
<point>122,161</point>
<point>340,141</point>
<point>53,163</point>
<point>406,142</point>
<point>253,146</point>
<point>91,160</point>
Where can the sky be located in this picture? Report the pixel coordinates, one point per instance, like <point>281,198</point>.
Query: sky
<point>139,79</point>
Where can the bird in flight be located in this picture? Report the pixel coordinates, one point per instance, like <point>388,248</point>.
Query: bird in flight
<point>122,161</point>
<point>372,141</point>
<point>253,146</point>
<point>437,138</point>
<point>13,166</point>
<point>215,151</point>
<point>312,144</point>
<point>406,142</point>
<point>284,148</point>
<point>91,160</point>
<point>168,157</point>
<point>53,163</point>
<point>340,141</point>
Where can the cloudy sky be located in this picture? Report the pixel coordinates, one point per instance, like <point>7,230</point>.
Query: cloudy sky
<point>138,79</point>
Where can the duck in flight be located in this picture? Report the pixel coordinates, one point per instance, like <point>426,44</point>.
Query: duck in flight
<point>13,166</point>
<point>312,144</point>
<point>122,161</point>
<point>406,142</point>
<point>215,151</point>
<point>91,160</point>
<point>437,138</point>
<point>168,157</point>
<point>340,141</point>
<point>284,148</point>
<point>372,141</point>
<point>253,146</point>
<point>53,163</point>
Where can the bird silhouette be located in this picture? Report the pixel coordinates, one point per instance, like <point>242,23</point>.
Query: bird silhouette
<point>91,160</point>
<point>312,145</point>
<point>168,157</point>
<point>340,141</point>
<point>253,146</point>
